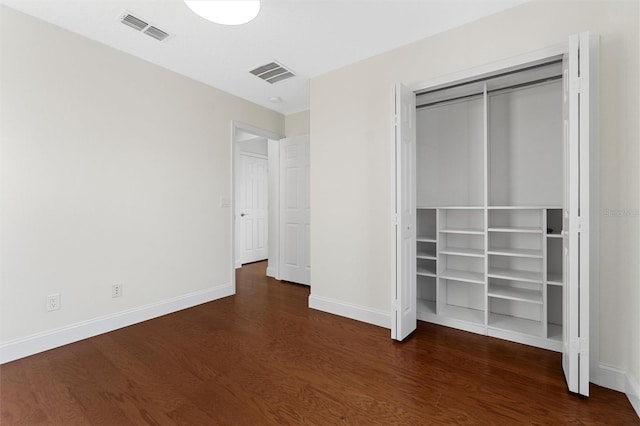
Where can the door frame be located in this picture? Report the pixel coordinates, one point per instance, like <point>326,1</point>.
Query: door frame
<point>512,63</point>
<point>237,129</point>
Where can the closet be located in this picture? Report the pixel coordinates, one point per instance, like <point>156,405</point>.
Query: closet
<point>489,215</point>
<point>492,203</point>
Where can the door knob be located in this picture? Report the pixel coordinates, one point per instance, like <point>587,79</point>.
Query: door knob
<point>243,214</point>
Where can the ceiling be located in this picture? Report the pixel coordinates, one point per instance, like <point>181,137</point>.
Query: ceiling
<point>310,37</point>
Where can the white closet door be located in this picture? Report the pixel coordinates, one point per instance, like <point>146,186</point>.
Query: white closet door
<point>578,130</point>
<point>404,312</point>
<point>295,265</point>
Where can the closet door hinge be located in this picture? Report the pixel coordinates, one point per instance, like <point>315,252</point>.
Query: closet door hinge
<point>581,345</point>
<point>577,82</point>
<point>580,224</point>
<point>395,306</point>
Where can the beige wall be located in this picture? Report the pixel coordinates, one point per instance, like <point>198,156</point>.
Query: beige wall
<point>112,172</point>
<point>351,236</point>
<point>297,124</point>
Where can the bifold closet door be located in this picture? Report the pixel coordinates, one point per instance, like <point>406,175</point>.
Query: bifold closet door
<point>578,235</point>
<point>404,299</point>
<point>579,129</point>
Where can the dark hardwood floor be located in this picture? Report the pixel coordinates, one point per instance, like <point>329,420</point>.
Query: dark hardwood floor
<point>263,357</point>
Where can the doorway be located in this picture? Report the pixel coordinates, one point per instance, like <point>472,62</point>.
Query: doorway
<point>255,185</point>
<point>270,211</point>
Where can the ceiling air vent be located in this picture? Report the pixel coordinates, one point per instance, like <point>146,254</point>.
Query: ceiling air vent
<point>272,73</point>
<point>156,33</point>
<point>139,24</point>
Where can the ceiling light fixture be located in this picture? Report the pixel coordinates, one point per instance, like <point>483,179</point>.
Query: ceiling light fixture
<point>225,12</point>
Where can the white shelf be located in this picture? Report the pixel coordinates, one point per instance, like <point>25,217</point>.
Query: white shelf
<point>517,325</point>
<point>499,251</point>
<point>426,239</point>
<point>426,255</point>
<point>467,231</point>
<point>512,274</point>
<point>465,314</point>
<point>554,236</point>
<point>461,208</point>
<point>426,272</point>
<point>522,208</point>
<point>426,306</point>
<point>514,293</point>
<point>521,230</point>
<point>455,251</point>
<point>554,279</point>
<point>464,276</point>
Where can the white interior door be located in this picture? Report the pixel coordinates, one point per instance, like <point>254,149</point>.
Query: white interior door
<point>578,130</point>
<point>295,264</point>
<point>404,312</point>
<point>252,208</point>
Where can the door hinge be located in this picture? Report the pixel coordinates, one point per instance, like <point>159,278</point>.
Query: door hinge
<point>580,224</point>
<point>577,83</point>
<point>395,305</point>
<point>580,345</point>
<point>395,219</point>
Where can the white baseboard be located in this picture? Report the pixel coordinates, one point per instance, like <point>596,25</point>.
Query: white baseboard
<point>609,377</point>
<point>356,312</point>
<point>633,393</point>
<point>618,380</point>
<point>272,272</point>
<point>40,342</point>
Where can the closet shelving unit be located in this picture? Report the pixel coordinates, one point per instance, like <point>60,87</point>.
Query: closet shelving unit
<point>489,161</point>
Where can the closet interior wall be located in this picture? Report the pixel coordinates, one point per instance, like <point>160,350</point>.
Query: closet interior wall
<point>490,194</point>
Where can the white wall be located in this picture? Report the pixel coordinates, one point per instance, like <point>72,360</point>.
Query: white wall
<point>112,172</point>
<point>351,169</point>
<point>254,146</point>
<point>297,124</point>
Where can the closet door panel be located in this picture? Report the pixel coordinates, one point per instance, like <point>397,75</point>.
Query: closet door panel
<point>404,302</point>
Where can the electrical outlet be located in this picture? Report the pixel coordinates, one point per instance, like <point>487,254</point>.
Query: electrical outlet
<point>116,290</point>
<point>53,302</point>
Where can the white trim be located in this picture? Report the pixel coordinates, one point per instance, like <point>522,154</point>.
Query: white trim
<point>272,271</point>
<point>609,377</point>
<point>632,389</point>
<point>253,155</point>
<point>262,133</point>
<point>482,71</point>
<point>40,342</point>
<point>618,380</point>
<point>348,310</point>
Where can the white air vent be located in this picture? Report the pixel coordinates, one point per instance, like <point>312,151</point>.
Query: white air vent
<point>134,22</point>
<point>272,73</point>
<point>139,24</point>
<point>156,33</point>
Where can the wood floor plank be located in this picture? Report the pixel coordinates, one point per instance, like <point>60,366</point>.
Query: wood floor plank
<point>263,357</point>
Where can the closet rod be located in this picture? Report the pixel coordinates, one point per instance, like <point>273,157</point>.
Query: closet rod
<point>479,80</point>
<point>502,89</point>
